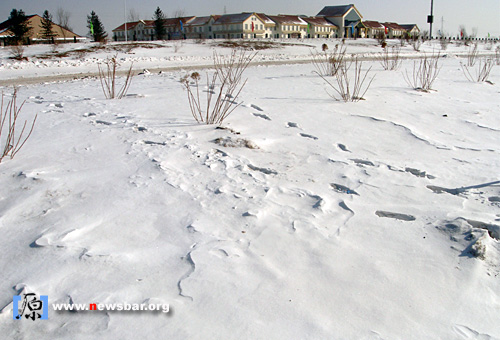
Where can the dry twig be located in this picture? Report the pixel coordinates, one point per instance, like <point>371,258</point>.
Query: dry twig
<point>350,86</point>
<point>425,72</point>
<point>481,71</point>
<point>107,76</point>
<point>11,141</point>
<point>223,88</point>
<point>327,64</point>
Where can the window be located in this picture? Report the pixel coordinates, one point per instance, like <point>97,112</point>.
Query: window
<point>246,26</point>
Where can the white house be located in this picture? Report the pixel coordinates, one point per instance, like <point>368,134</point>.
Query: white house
<point>319,27</point>
<point>142,30</point>
<point>289,26</point>
<point>269,25</point>
<point>394,30</point>
<point>412,30</point>
<point>200,27</point>
<point>374,29</point>
<point>243,25</point>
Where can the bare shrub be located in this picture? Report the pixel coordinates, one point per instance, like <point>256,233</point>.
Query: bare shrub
<point>380,36</point>
<point>416,43</point>
<point>444,42</point>
<point>17,51</point>
<point>177,45</point>
<point>107,76</point>
<point>497,55</point>
<point>391,58</point>
<point>327,64</point>
<point>472,55</point>
<point>424,73</point>
<point>223,88</point>
<point>479,73</point>
<point>349,82</point>
<point>11,141</point>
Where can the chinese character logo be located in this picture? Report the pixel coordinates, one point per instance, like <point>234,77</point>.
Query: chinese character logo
<point>31,307</point>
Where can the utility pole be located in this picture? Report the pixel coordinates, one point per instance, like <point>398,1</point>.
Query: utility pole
<point>430,19</point>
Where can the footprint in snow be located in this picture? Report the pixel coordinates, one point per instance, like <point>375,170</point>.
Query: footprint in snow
<point>362,162</point>
<point>292,125</point>
<point>103,122</point>
<point>305,135</point>
<point>397,216</point>
<point>256,107</point>
<point>343,189</point>
<point>343,147</point>
<point>265,171</point>
<point>150,142</point>
<point>261,115</point>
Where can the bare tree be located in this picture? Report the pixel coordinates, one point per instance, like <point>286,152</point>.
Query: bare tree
<point>179,13</point>
<point>62,18</point>
<point>133,15</point>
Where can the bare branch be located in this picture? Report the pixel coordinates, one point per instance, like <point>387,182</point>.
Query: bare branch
<point>12,142</point>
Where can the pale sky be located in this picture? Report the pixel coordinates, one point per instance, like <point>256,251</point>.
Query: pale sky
<point>480,15</point>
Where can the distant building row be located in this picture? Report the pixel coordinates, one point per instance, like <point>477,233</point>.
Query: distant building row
<point>331,22</point>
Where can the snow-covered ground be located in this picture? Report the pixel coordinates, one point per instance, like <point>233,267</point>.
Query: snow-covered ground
<point>370,220</point>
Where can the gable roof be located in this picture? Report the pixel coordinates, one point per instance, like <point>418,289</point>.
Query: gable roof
<point>197,21</point>
<point>373,24</point>
<point>335,11</point>
<point>318,21</point>
<point>287,19</point>
<point>6,24</point>
<point>409,27</point>
<point>232,18</point>
<point>265,18</point>
<point>131,25</point>
<point>394,26</point>
<point>175,21</point>
<point>34,22</point>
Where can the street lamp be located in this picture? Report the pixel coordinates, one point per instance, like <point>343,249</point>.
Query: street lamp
<point>430,19</point>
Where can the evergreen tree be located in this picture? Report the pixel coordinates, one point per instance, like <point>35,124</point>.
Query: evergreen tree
<point>18,25</point>
<point>159,24</point>
<point>46,26</point>
<point>96,27</point>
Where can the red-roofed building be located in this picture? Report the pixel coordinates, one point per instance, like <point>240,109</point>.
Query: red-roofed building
<point>394,30</point>
<point>374,29</point>
<point>142,30</point>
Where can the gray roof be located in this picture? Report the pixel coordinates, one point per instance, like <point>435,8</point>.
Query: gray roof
<point>335,11</point>
<point>287,19</point>
<point>409,27</point>
<point>199,21</point>
<point>233,18</point>
<point>321,21</point>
